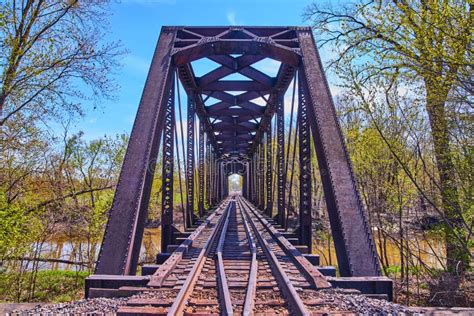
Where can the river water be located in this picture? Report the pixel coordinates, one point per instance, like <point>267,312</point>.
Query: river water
<point>429,251</point>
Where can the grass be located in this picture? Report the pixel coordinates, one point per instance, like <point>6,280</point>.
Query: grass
<point>52,286</point>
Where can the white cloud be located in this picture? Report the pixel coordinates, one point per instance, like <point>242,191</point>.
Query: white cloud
<point>231,18</point>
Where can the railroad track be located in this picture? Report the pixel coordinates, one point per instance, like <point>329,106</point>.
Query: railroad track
<point>236,263</point>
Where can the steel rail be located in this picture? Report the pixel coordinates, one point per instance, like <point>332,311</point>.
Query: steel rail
<point>309,271</point>
<point>186,290</point>
<point>167,267</point>
<point>252,281</point>
<point>222,280</point>
<point>294,300</point>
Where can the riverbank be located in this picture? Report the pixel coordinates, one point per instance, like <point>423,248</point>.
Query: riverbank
<point>47,286</point>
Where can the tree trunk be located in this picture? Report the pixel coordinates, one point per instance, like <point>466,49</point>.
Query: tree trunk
<point>455,250</point>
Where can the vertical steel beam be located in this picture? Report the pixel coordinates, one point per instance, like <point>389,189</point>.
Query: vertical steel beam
<point>223,182</point>
<point>211,175</point>
<point>167,175</point>
<point>226,184</point>
<point>208,172</point>
<point>257,186</point>
<point>355,248</point>
<point>247,180</point>
<point>250,177</point>
<point>257,176</point>
<point>201,169</point>
<point>124,231</point>
<point>190,159</point>
<point>281,180</point>
<point>254,179</point>
<point>261,176</point>
<point>213,178</point>
<point>244,182</point>
<point>218,181</point>
<point>269,187</point>
<point>304,138</point>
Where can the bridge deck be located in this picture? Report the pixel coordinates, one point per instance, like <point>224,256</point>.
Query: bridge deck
<point>236,262</point>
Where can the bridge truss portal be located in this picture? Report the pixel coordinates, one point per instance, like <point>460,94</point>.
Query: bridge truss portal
<point>234,122</point>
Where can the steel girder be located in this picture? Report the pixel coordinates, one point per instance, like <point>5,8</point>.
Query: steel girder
<point>167,174</point>
<point>355,248</point>
<point>305,218</point>
<point>258,179</point>
<point>253,187</point>
<point>190,159</point>
<point>219,182</point>
<point>124,231</point>
<point>261,176</point>
<point>207,166</point>
<point>245,181</point>
<point>236,125</point>
<point>269,177</point>
<point>253,180</point>
<point>281,176</point>
<point>248,180</point>
<point>214,178</point>
<point>255,44</point>
<point>201,169</point>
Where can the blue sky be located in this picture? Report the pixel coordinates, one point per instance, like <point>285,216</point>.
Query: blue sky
<point>137,24</point>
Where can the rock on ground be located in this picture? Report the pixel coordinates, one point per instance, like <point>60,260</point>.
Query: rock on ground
<point>343,302</point>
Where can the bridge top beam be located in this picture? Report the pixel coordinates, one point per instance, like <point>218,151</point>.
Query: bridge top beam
<point>244,107</point>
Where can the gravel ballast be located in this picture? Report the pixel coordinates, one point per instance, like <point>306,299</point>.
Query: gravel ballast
<point>334,301</point>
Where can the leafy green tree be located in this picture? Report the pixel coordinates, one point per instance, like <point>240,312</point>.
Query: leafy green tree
<point>428,46</point>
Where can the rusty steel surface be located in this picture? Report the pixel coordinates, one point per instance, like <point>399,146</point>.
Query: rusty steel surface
<point>229,131</point>
<point>240,266</point>
<point>123,235</point>
<point>281,175</point>
<point>261,176</point>
<point>269,175</point>
<point>193,241</point>
<point>201,168</point>
<point>190,157</point>
<point>352,235</point>
<point>208,172</point>
<point>305,228</point>
<point>167,173</point>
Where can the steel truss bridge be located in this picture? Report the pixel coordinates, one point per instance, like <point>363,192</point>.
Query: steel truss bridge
<point>221,251</point>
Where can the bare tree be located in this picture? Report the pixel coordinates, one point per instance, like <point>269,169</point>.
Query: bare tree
<point>52,55</point>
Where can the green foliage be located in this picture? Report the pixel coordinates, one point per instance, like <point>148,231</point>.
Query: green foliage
<point>59,193</point>
<point>11,223</point>
<point>393,270</point>
<point>17,229</point>
<point>51,286</point>
<point>406,72</point>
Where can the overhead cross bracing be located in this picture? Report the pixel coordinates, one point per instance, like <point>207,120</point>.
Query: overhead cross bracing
<point>233,122</point>
<point>243,108</point>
